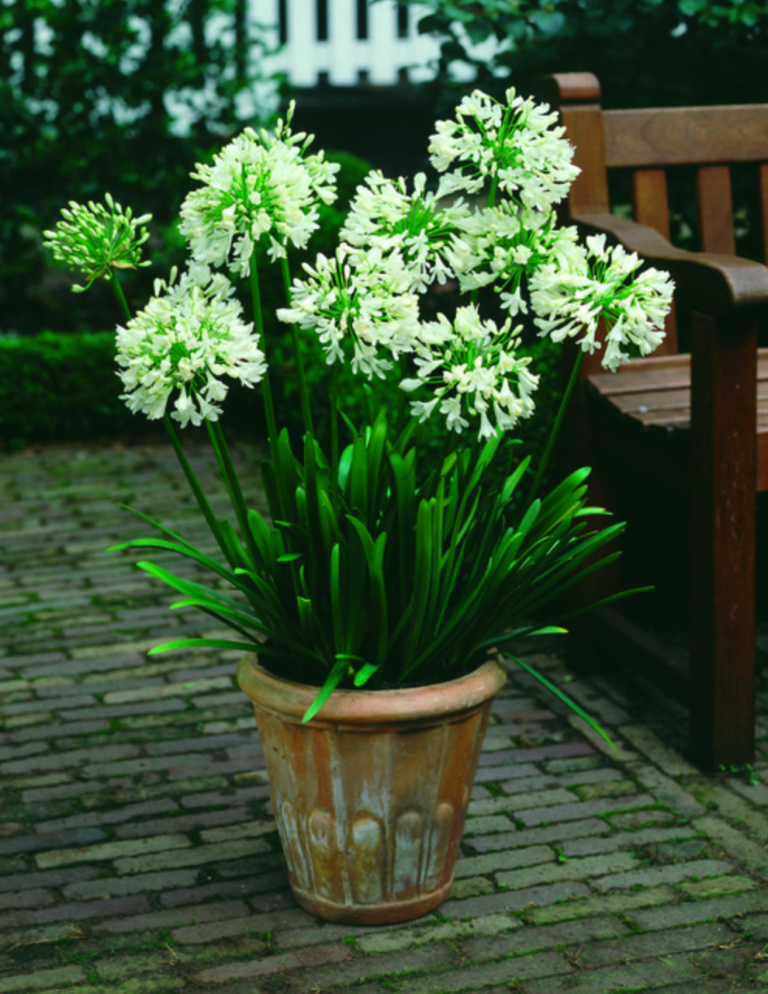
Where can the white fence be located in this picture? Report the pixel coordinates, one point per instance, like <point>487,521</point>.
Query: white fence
<point>347,42</point>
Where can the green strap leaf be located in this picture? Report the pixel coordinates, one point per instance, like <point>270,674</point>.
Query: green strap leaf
<point>511,482</point>
<point>203,643</point>
<point>331,683</point>
<point>183,550</point>
<point>365,673</point>
<point>345,463</point>
<point>337,606</point>
<point>156,524</point>
<point>227,614</point>
<point>188,587</point>
<point>565,699</point>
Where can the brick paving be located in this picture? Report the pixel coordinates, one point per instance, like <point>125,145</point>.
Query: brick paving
<point>137,848</point>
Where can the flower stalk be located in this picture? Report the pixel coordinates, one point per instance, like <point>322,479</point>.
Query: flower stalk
<point>335,433</point>
<point>232,483</point>
<point>118,291</point>
<point>557,425</point>
<point>194,486</point>
<point>266,388</point>
<point>306,410</point>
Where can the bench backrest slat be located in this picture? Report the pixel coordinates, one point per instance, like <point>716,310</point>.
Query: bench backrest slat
<point>676,136</point>
<point>715,206</point>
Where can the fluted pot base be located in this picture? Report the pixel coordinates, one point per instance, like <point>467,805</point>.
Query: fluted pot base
<point>372,914</point>
<point>370,796</point>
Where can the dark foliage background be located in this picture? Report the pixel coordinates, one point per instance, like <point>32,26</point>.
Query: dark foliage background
<point>93,94</point>
<point>646,53</point>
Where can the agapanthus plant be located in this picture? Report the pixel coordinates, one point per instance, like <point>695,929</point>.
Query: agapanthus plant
<point>367,571</point>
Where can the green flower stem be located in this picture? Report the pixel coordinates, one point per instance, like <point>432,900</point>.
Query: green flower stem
<point>306,413</point>
<point>335,432</point>
<point>195,487</point>
<point>258,320</point>
<point>118,290</point>
<point>232,483</point>
<point>192,480</point>
<point>400,413</point>
<point>492,191</point>
<point>556,426</point>
<point>491,200</point>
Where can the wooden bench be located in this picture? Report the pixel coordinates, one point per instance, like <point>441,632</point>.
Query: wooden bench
<point>695,424</point>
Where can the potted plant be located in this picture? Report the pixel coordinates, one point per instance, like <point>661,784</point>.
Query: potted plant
<point>376,588</point>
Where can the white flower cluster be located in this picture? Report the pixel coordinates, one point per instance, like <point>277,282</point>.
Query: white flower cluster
<point>93,239</point>
<point>570,303</point>
<point>514,145</point>
<point>369,303</point>
<point>470,367</point>
<point>384,216</point>
<point>258,185</point>
<point>503,244</point>
<point>189,335</point>
<point>395,244</point>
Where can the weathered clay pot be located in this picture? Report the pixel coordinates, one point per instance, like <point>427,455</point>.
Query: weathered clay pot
<point>370,796</point>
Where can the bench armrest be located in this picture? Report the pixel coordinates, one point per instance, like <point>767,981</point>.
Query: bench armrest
<point>711,284</point>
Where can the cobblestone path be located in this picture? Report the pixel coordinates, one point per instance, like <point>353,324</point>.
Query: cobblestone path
<point>137,849</point>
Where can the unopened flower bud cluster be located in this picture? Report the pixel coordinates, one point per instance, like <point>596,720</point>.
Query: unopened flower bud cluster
<point>93,239</point>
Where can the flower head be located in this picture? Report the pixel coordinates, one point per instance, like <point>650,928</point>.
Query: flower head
<point>472,371</point>
<point>514,145</point>
<point>571,303</point>
<point>502,245</point>
<point>368,304</point>
<point>259,185</point>
<point>95,239</point>
<point>189,335</point>
<point>417,225</point>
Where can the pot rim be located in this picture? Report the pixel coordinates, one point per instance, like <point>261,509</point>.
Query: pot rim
<point>371,707</point>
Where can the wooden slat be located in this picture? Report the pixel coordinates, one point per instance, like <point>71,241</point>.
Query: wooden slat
<point>651,207</point>
<point>648,375</point>
<point>646,405</point>
<point>713,185</point>
<point>627,379</point>
<point>658,397</point>
<point>686,135</point>
<point>653,363</point>
<point>670,406</point>
<point>649,188</point>
<point>764,208</point>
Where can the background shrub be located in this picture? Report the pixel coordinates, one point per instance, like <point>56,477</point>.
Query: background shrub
<point>117,95</point>
<point>646,53</point>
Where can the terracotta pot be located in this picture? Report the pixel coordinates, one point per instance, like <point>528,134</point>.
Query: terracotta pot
<point>370,796</point>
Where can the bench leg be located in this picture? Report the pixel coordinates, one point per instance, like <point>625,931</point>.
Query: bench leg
<point>723,477</point>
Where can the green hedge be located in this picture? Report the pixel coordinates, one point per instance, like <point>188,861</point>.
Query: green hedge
<point>64,387</point>
<point>57,388</point>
